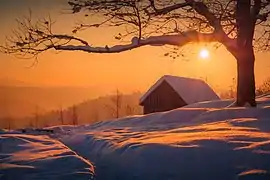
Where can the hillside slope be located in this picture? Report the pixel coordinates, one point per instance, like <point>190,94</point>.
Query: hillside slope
<point>205,140</point>
<point>199,142</point>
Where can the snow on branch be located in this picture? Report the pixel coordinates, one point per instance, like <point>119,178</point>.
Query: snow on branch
<point>143,23</point>
<point>180,39</point>
<point>33,39</point>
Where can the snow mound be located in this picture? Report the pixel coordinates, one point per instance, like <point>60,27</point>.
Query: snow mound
<point>27,157</point>
<point>206,140</point>
<point>203,140</point>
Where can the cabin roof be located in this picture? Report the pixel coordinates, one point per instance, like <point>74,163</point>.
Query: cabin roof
<point>189,89</point>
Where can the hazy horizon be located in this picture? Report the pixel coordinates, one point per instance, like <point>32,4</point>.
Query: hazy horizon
<point>129,71</point>
<point>101,74</point>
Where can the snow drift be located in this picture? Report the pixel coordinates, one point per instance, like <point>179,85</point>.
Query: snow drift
<point>27,157</point>
<point>195,142</point>
<point>207,140</point>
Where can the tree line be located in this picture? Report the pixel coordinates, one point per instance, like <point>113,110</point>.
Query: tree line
<point>112,106</point>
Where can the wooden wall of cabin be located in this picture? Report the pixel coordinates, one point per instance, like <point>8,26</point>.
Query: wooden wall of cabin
<point>163,98</point>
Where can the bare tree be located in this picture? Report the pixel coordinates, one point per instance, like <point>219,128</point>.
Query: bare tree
<point>75,120</point>
<point>61,116</point>
<point>116,106</point>
<point>10,123</point>
<point>130,110</point>
<point>239,25</point>
<point>264,88</point>
<point>95,115</point>
<point>31,124</point>
<point>232,91</point>
<point>37,117</point>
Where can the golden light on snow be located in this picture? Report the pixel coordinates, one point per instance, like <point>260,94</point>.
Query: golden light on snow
<point>204,53</point>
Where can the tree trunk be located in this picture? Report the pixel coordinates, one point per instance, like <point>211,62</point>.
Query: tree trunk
<point>245,24</point>
<point>245,77</point>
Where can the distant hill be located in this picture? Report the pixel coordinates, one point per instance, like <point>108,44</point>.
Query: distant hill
<point>7,81</point>
<point>89,111</point>
<point>22,101</point>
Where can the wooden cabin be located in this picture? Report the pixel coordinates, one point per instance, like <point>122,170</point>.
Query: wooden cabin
<point>171,92</point>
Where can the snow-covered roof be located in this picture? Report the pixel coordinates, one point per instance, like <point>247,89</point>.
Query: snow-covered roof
<point>191,90</point>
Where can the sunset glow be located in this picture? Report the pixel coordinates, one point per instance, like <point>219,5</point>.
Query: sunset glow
<point>135,89</point>
<point>204,54</point>
<point>128,71</point>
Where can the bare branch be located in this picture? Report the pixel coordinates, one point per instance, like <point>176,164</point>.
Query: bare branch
<point>169,8</point>
<point>175,40</point>
<point>146,22</point>
<point>198,6</point>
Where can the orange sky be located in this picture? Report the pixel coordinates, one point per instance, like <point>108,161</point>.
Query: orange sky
<point>128,71</point>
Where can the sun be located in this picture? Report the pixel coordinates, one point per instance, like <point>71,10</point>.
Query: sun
<point>204,53</point>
